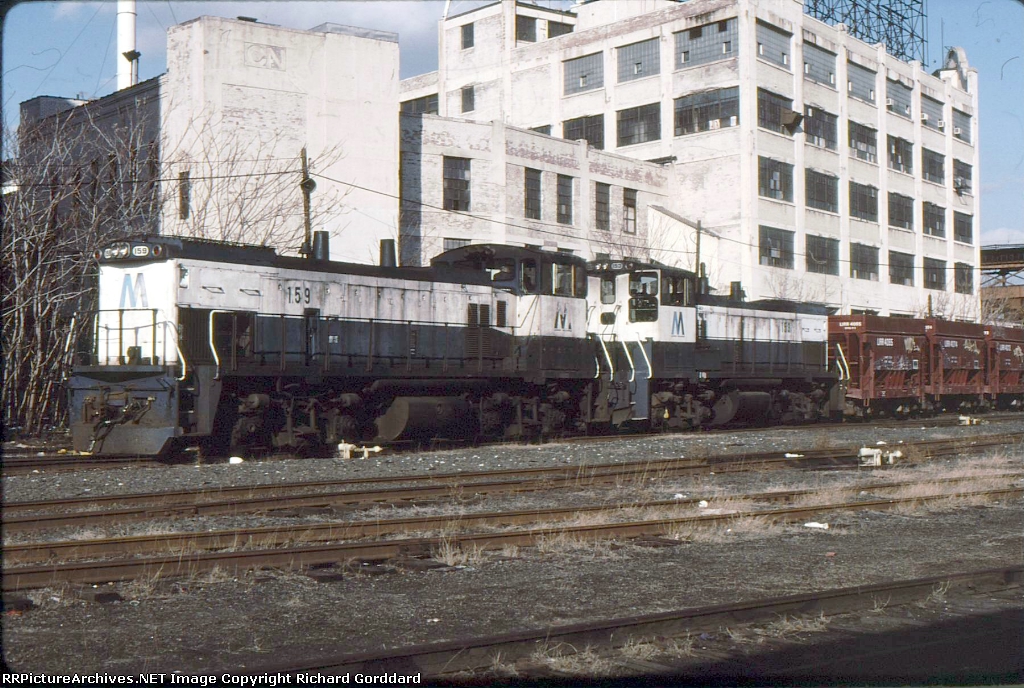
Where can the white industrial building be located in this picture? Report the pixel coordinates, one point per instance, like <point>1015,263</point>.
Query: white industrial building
<point>828,169</point>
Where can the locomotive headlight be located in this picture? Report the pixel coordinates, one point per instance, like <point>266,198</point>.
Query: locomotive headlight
<point>108,253</point>
<point>121,250</point>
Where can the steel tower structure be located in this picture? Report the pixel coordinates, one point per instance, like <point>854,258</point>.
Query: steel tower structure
<point>899,24</point>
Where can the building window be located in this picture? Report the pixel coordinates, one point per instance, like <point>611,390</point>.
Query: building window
<point>556,29</point>
<point>602,206</point>
<point>451,243</point>
<point>962,173</point>
<point>707,111</point>
<point>426,105</point>
<point>898,98</point>
<point>526,29</point>
<point>901,211</point>
<point>456,183</point>
<point>639,124</point>
<point>564,189</point>
<point>931,113</point>
<point>963,228</point>
<point>184,195</point>
<point>819,65</point>
<point>934,274</point>
<point>531,193</point>
<point>773,44</point>
<point>863,142</point>
<point>583,74</point>
<point>861,84</point>
<point>770,110</point>
<point>468,99</point>
<point>962,126</point>
<point>901,269</point>
<point>934,220</point>
<point>629,211</point>
<point>467,35</point>
<point>901,155</point>
<point>821,128</point>
<point>639,60</point>
<point>707,43</point>
<point>963,275</point>
<point>589,128</point>
<point>774,179</point>
<point>822,191</point>
<point>933,166</point>
<point>863,262</point>
<point>544,129</point>
<point>776,247</point>
<point>864,202</point>
<point>822,255</point>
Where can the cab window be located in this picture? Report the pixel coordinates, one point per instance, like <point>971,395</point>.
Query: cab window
<point>643,284</point>
<point>561,279</point>
<point>608,290</point>
<point>505,271</point>
<point>580,280</point>
<point>676,290</point>
<point>528,276</point>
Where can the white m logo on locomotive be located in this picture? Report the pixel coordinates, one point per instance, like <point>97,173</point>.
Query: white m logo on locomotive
<point>134,295</point>
<point>678,325</point>
<point>562,321</point>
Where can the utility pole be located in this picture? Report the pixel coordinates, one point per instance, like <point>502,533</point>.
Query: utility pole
<point>308,186</point>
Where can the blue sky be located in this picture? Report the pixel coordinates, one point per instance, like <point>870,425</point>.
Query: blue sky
<point>67,49</point>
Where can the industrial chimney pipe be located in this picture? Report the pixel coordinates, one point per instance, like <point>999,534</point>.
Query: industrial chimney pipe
<point>128,56</point>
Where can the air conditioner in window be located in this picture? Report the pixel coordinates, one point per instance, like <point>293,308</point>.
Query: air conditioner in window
<point>714,124</point>
<point>957,131</point>
<point>941,124</point>
<point>889,102</point>
<point>924,117</point>
<point>775,253</point>
<point>734,120</point>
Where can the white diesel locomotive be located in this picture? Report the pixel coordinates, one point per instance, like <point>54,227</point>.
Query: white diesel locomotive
<point>233,347</point>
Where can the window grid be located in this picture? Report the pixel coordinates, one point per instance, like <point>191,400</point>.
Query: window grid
<point>933,166</point>
<point>589,128</point>
<point>963,278</point>
<point>424,105</point>
<point>526,28</point>
<point>864,202</point>
<point>901,268</point>
<point>821,128</point>
<point>456,183</point>
<point>583,73</point>
<point>531,193</point>
<point>774,179</point>
<point>707,43</point>
<point>468,99</point>
<point>963,227</point>
<point>773,44</point>
<point>602,205</point>
<point>863,262</point>
<point>770,108</point>
<point>707,111</point>
<point>901,155</point>
<point>898,98</point>
<point>962,173</point>
<point>450,243</point>
<point>564,193</point>
<point>822,191</point>
<point>639,60</point>
<point>467,36</point>
<point>776,247</point>
<point>556,29</point>
<point>934,274</point>
<point>962,125</point>
<point>639,124</point>
<point>543,129</point>
<point>861,84</point>
<point>863,142</point>
<point>629,211</point>
<point>822,255</point>
<point>819,65</point>
<point>934,220</point>
<point>901,211</point>
<point>931,113</point>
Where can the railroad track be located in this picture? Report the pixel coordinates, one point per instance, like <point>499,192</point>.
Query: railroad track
<point>40,515</point>
<point>276,536</point>
<point>21,461</point>
<point>302,556</point>
<point>435,660</point>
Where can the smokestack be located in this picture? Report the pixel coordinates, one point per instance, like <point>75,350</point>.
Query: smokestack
<point>387,253</point>
<point>321,245</point>
<point>127,56</point>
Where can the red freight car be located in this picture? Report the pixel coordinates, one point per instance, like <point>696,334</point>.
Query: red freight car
<point>955,376</point>
<point>1005,369</point>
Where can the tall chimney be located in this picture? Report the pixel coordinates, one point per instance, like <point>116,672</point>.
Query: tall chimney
<point>127,56</point>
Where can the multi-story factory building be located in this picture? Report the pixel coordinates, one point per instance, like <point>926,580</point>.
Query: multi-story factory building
<point>820,167</point>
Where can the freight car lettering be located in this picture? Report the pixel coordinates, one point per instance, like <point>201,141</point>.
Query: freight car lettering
<point>562,321</point>
<point>949,344</point>
<point>1003,347</point>
<point>134,296</point>
<point>298,293</point>
<point>884,341</point>
<point>678,325</point>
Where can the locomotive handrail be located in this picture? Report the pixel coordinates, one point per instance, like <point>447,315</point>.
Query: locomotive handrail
<point>213,345</point>
<point>181,355</point>
<point>844,366</point>
<point>650,368</point>
<point>629,357</point>
<point>607,358</point>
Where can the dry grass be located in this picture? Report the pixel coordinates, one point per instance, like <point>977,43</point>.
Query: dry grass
<point>450,553</point>
<point>724,531</point>
<point>563,542</point>
<point>566,659</point>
